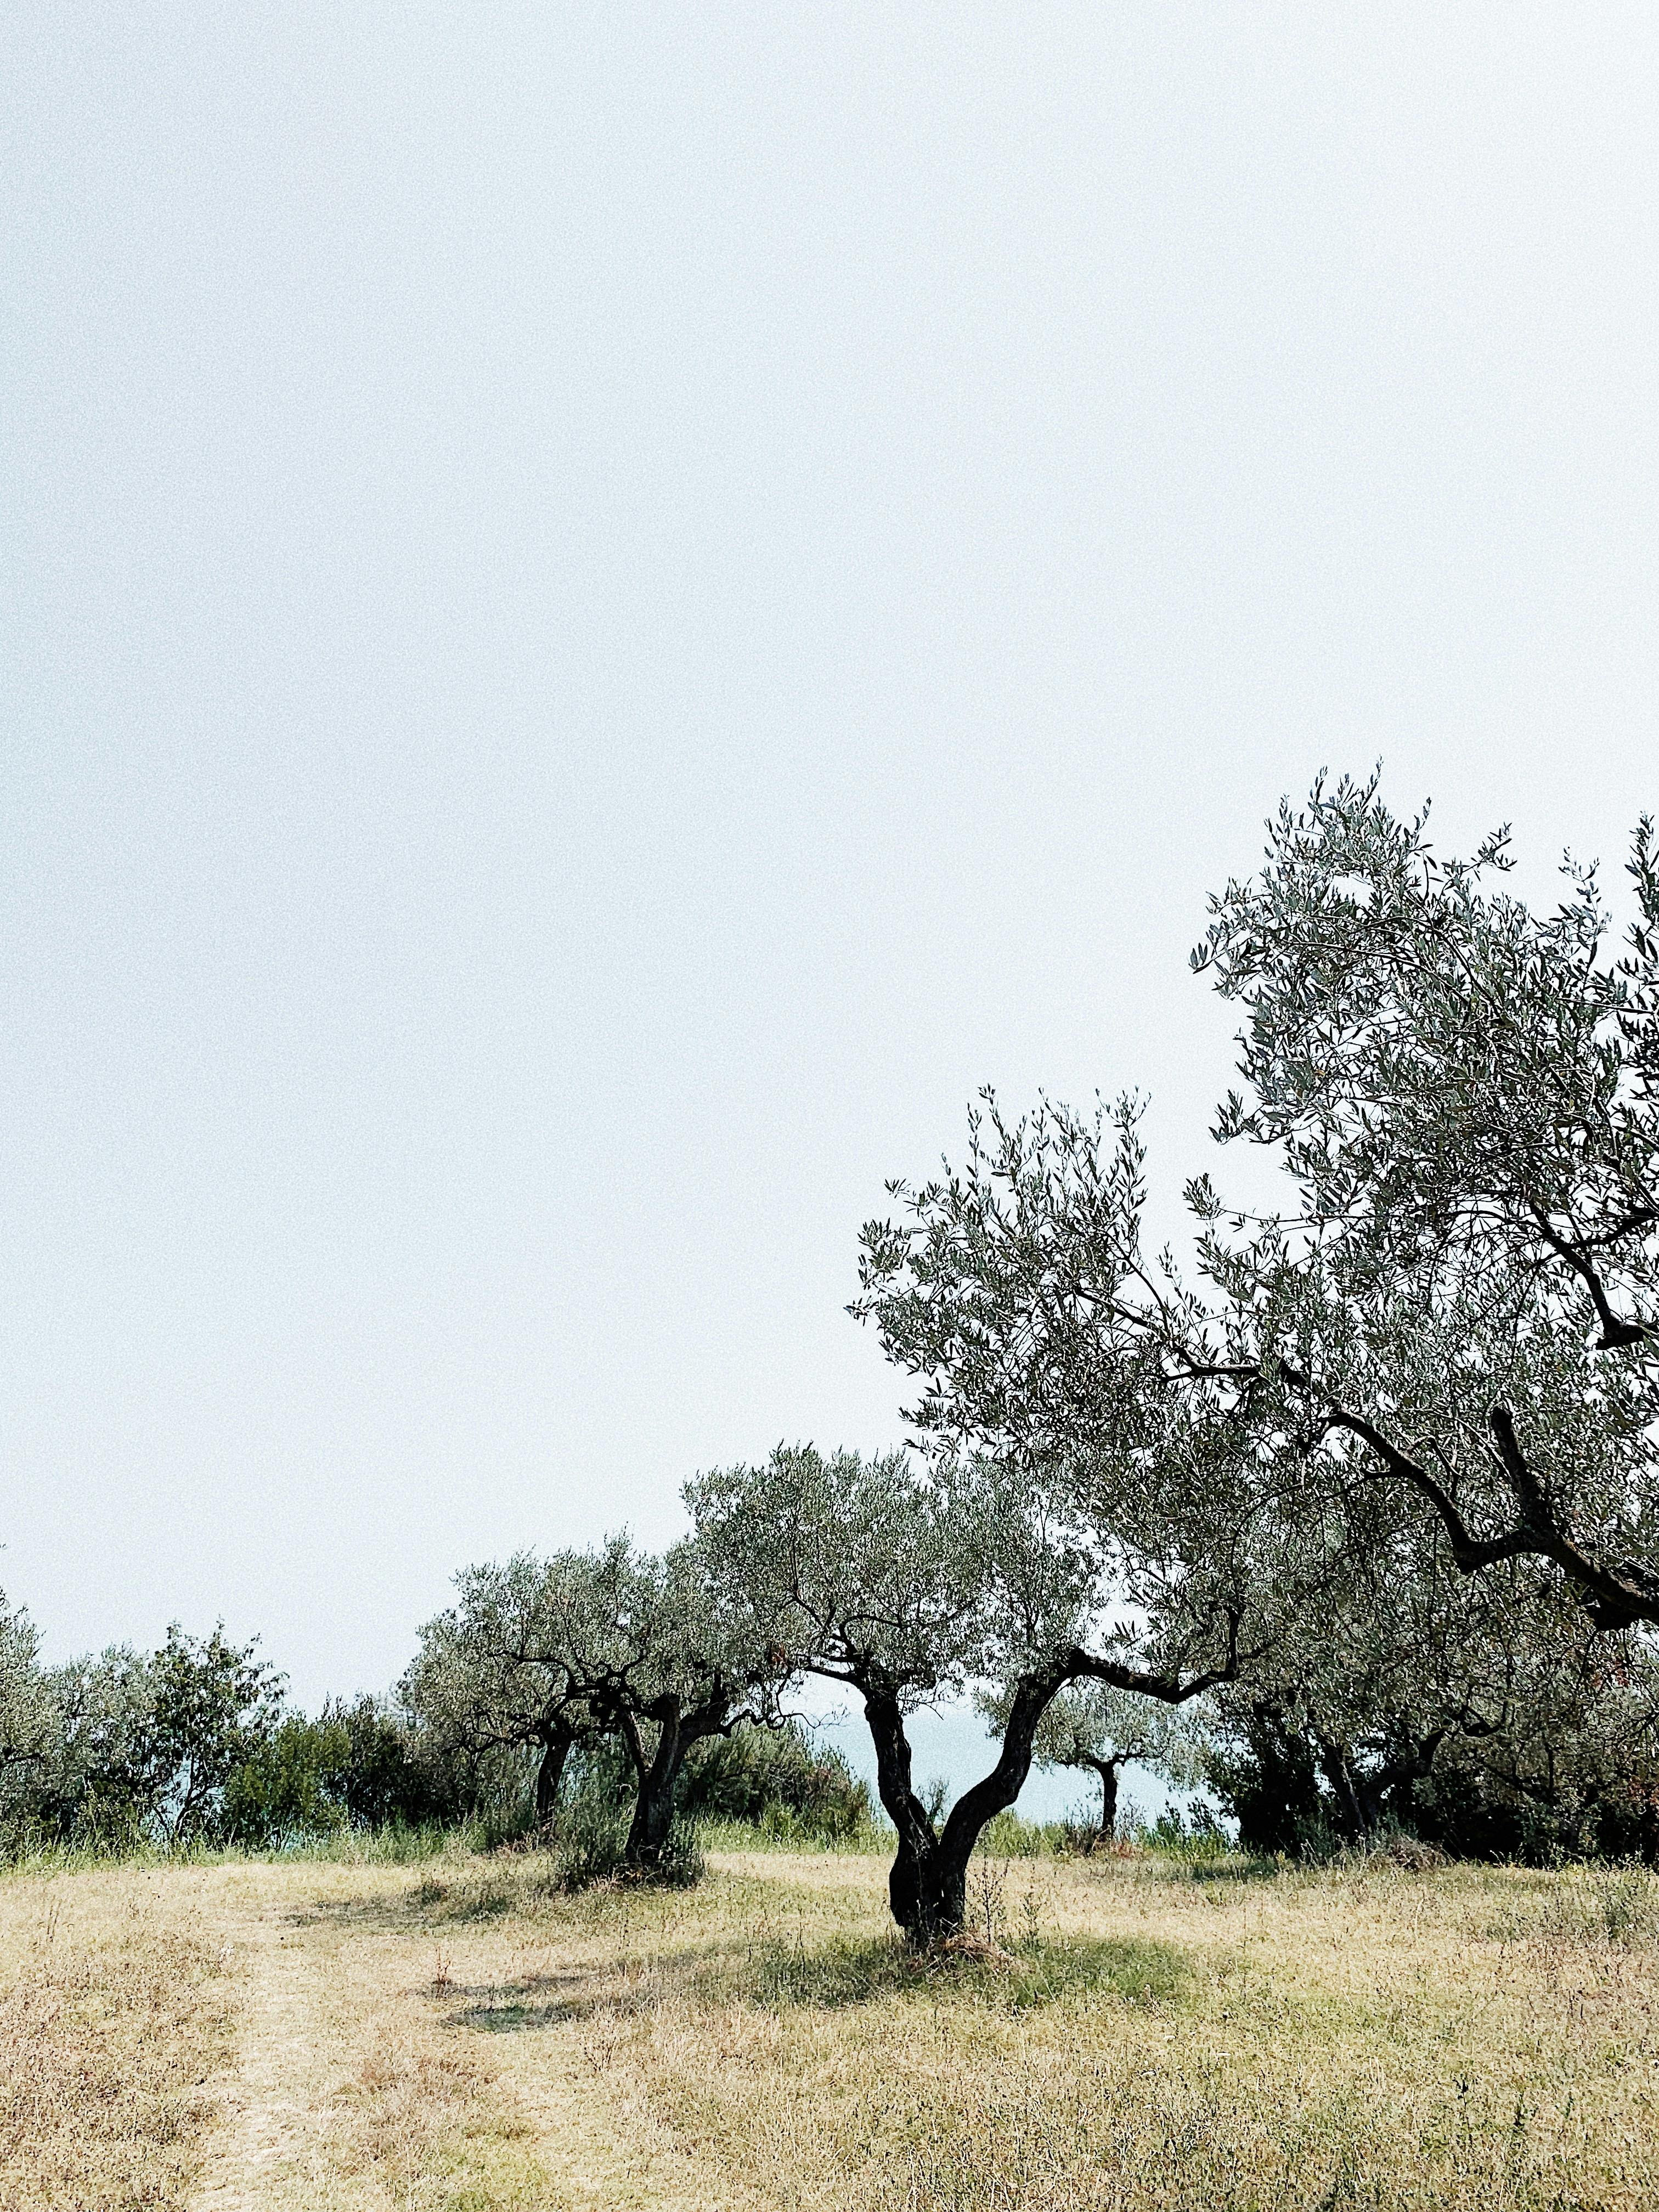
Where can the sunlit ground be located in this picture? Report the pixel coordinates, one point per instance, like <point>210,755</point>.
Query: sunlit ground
<point>1123,2032</point>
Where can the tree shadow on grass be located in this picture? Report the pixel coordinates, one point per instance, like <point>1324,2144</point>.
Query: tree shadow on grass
<point>555,2000</point>
<point>480,1893</point>
<point>1132,1969</point>
<point>508,2007</point>
<point>1127,1970</point>
<point>1235,1867</point>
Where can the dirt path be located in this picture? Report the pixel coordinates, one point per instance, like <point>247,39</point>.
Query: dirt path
<point>271,2147</point>
<point>372,2069</point>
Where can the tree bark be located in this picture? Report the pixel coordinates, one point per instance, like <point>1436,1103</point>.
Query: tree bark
<point>907,1882</point>
<point>653,1799</point>
<point>1107,1770</point>
<point>555,1751</point>
<point>928,1888</point>
<point>1334,1757</point>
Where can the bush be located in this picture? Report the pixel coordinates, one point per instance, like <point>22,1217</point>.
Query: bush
<point>157,1740</point>
<point>1198,1838</point>
<point>778,1780</point>
<point>587,1840</point>
<point>682,1865</point>
<point>1010,1835</point>
<point>290,1789</point>
<point>393,1774</point>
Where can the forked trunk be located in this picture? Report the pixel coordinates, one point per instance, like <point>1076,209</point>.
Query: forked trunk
<point>927,1888</point>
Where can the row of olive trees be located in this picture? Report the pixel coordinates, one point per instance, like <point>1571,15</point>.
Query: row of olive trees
<point>195,1743</point>
<point>905,1583</point>
<point>1377,1480</point>
<point>1377,1483</point>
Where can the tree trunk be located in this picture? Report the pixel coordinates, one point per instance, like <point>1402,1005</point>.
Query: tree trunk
<point>928,1888</point>
<point>653,1801</point>
<point>556,1750</point>
<point>1333,1759</point>
<point>907,1881</point>
<point>1107,1770</point>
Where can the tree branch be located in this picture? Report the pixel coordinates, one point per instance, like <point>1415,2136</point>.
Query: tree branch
<point>1615,1332</point>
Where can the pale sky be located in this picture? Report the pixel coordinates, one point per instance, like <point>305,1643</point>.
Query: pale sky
<point>608,609</point>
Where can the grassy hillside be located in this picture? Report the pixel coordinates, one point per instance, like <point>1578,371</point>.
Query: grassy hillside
<point>1135,2032</point>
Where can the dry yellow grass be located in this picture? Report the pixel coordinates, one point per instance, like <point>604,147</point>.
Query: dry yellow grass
<point>112,2027</point>
<point>1369,2037</point>
<point>352,2089</point>
<point>1155,2035</point>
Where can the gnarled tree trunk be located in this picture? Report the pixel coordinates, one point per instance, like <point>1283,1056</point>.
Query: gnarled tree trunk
<point>656,1776</point>
<point>1353,1814</point>
<point>1107,1769</point>
<point>928,1888</point>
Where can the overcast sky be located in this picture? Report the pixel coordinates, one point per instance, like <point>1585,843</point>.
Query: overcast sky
<point>608,609</point>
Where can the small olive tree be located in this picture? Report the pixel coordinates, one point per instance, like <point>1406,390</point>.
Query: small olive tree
<point>688,1665</point>
<point>503,1670</point>
<point>614,1642</point>
<point>1098,1729</point>
<point>911,1584</point>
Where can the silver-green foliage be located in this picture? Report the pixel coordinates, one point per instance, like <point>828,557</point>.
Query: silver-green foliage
<point>1385,1426</point>
<point>615,1643</point>
<point>1458,1293</point>
<point>910,1581</point>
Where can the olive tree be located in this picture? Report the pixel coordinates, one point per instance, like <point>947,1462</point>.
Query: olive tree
<point>1459,1294</point>
<point>612,1642</point>
<point>1429,1307</point>
<point>1097,1728</point>
<point>1378,1708</point>
<point>30,1719</point>
<point>504,1669</point>
<point>1018,1286</point>
<point>910,1584</point>
<point>688,1665</point>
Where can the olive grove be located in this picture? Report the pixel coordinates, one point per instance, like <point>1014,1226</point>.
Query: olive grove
<point>1353,1512</point>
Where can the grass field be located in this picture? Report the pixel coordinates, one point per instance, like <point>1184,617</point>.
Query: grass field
<point>1142,2033</point>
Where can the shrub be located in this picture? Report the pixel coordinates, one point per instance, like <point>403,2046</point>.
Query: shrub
<point>1010,1836</point>
<point>199,1710</point>
<point>586,1841</point>
<point>777,1779</point>
<point>393,1774</point>
<point>589,1837</point>
<point>1198,1838</point>
<point>682,1865</point>
<point>290,1789</point>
